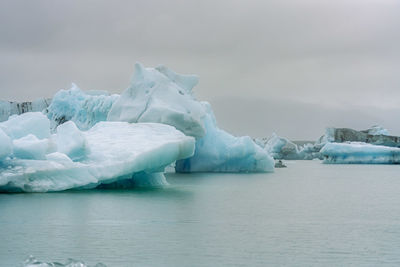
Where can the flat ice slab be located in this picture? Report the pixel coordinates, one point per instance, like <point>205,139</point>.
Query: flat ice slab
<point>117,151</point>
<point>360,153</point>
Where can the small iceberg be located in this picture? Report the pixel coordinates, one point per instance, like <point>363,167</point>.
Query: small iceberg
<point>360,153</point>
<point>33,262</point>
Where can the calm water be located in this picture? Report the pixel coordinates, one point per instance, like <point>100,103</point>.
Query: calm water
<point>306,214</point>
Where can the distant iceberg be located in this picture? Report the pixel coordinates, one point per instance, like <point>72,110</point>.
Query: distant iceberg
<point>360,153</point>
<point>282,148</point>
<point>9,108</point>
<point>109,152</point>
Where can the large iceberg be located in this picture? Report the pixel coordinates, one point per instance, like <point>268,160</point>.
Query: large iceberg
<point>357,153</point>
<point>219,151</point>
<point>107,154</point>
<point>160,95</point>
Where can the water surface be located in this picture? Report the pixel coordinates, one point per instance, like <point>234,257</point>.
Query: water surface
<point>306,214</point>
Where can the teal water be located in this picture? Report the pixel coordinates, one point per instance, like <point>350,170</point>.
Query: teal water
<point>308,214</point>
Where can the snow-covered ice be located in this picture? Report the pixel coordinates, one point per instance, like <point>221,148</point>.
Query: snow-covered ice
<point>358,153</point>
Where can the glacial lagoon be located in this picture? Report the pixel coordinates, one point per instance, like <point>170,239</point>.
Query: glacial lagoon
<point>307,214</point>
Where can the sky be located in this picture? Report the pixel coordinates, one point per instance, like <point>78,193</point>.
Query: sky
<point>292,67</point>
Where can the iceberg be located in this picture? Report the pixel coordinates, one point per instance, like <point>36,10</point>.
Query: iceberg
<point>85,109</point>
<point>282,148</point>
<point>219,151</point>
<point>34,123</point>
<point>163,96</point>
<point>360,153</point>
<point>33,262</point>
<point>375,135</point>
<point>377,130</point>
<point>109,153</point>
<point>159,95</point>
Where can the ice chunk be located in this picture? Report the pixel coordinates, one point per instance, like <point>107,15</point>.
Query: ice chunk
<point>59,158</point>
<point>219,151</point>
<point>30,147</point>
<point>83,108</point>
<point>377,130</point>
<point>35,123</point>
<point>163,96</point>
<point>282,148</point>
<point>119,151</point>
<point>357,152</point>
<point>71,141</point>
<point>5,145</point>
<point>376,135</point>
<point>33,262</point>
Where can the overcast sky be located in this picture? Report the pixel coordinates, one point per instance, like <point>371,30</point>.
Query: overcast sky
<point>290,67</point>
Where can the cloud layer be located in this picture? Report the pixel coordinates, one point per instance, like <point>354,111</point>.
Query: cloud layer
<point>319,63</point>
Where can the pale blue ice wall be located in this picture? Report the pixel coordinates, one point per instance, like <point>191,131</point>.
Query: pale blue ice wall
<point>219,151</point>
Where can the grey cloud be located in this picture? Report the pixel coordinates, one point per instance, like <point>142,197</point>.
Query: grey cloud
<point>331,57</point>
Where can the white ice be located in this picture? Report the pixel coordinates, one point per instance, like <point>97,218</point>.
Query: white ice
<point>30,147</point>
<point>108,153</point>
<point>163,96</point>
<point>71,141</point>
<point>5,146</point>
<point>34,123</point>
